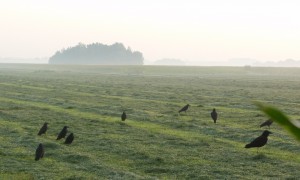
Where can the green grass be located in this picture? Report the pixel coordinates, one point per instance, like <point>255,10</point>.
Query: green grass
<point>154,142</point>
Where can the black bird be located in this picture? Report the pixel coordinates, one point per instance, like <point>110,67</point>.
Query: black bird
<point>43,129</point>
<point>267,123</point>
<point>259,141</point>
<point>62,133</point>
<point>39,152</point>
<point>69,139</point>
<point>123,116</point>
<point>214,115</point>
<point>185,108</point>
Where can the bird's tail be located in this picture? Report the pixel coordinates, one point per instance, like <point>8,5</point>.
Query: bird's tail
<point>247,146</point>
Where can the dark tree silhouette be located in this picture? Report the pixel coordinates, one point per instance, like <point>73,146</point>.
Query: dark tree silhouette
<point>97,53</point>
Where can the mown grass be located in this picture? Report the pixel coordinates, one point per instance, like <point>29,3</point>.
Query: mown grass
<point>154,142</point>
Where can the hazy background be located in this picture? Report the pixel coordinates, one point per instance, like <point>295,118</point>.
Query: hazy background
<point>214,32</point>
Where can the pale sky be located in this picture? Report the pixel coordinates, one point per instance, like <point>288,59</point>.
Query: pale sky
<point>192,30</point>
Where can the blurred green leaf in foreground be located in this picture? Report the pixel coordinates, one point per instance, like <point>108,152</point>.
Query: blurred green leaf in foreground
<point>279,117</point>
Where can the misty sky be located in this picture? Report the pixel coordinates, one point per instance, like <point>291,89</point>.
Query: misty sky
<point>191,30</point>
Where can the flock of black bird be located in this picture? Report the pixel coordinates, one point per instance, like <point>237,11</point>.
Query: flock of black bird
<point>257,142</point>
<point>40,151</point>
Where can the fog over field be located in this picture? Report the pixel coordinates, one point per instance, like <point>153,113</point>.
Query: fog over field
<point>196,32</point>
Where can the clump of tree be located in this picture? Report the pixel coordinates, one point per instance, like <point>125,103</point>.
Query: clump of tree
<point>97,53</point>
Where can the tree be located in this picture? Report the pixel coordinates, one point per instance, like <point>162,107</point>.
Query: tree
<point>97,53</point>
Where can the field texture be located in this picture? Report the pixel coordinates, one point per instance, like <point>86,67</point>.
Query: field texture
<point>154,142</point>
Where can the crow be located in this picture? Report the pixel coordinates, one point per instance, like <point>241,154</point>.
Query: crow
<point>69,139</point>
<point>123,116</point>
<point>43,129</point>
<point>62,133</point>
<point>39,152</point>
<point>267,123</point>
<point>259,141</point>
<point>214,115</point>
<point>185,108</point>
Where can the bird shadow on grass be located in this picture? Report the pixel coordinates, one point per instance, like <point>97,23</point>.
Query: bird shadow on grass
<point>52,146</point>
<point>122,123</point>
<point>259,157</point>
<point>182,116</point>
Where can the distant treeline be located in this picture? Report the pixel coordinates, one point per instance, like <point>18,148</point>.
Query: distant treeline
<point>97,53</point>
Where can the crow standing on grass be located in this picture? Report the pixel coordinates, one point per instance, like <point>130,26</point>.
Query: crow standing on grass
<point>185,108</point>
<point>62,133</point>
<point>69,139</point>
<point>39,152</point>
<point>267,123</point>
<point>259,141</point>
<point>43,129</point>
<point>214,115</point>
<point>123,116</point>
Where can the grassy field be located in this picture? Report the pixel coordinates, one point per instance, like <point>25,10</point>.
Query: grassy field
<point>154,142</point>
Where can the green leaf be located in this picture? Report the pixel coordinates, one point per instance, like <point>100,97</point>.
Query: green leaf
<point>279,117</point>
